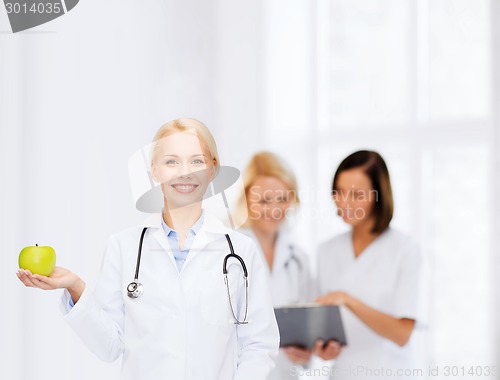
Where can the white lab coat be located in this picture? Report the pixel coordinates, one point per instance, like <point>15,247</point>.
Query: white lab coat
<point>389,276</point>
<point>182,326</point>
<point>290,282</point>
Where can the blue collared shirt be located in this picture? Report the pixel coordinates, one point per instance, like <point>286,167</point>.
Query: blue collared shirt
<point>180,255</point>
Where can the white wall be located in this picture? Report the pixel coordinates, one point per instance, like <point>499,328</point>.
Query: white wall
<point>495,173</point>
<point>239,79</point>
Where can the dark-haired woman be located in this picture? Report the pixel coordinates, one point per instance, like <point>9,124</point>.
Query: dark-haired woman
<point>375,273</point>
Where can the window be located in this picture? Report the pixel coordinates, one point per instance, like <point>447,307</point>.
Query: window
<point>410,79</point>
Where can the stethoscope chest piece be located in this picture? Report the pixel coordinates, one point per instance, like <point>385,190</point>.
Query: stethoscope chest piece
<point>135,289</point>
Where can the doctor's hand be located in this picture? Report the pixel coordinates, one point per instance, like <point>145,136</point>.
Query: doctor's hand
<point>298,355</point>
<point>334,299</point>
<point>61,278</point>
<point>330,351</point>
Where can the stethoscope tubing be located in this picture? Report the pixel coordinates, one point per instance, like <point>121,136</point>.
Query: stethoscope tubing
<point>293,257</point>
<point>139,254</point>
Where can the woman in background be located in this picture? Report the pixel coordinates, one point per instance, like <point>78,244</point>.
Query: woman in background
<point>270,195</point>
<point>373,271</point>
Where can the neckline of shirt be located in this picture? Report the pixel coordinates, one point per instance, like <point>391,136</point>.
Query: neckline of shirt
<point>195,228</point>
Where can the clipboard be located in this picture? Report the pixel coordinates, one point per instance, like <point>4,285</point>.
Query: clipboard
<point>301,325</point>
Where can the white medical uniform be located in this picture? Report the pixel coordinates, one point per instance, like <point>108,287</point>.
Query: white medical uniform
<point>182,326</point>
<point>290,283</point>
<point>389,276</point>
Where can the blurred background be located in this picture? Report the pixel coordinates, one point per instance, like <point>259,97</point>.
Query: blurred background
<point>416,80</point>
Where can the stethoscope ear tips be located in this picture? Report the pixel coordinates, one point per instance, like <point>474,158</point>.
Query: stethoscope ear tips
<point>135,289</point>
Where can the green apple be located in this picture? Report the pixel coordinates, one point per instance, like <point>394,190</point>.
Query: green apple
<point>39,260</point>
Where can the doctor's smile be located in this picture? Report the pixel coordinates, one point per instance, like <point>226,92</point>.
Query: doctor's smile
<point>184,188</point>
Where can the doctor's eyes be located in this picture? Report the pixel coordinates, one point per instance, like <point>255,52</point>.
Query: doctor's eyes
<point>265,201</point>
<point>195,162</point>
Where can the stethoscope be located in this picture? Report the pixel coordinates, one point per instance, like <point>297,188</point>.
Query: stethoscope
<point>135,288</point>
<point>293,257</point>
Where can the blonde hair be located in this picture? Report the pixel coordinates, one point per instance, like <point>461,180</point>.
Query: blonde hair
<point>270,165</point>
<point>183,125</point>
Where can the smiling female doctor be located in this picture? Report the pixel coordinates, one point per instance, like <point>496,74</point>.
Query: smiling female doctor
<point>187,324</point>
<point>271,191</point>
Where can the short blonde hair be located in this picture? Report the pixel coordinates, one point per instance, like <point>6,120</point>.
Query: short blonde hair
<point>183,125</point>
<point>270,165</point>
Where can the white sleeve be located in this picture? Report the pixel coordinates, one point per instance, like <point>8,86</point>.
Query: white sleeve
<point>97,318</point>
<point>259,339</point>
<point>411,293</point>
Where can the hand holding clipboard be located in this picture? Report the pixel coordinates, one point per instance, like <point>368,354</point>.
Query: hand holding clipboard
<point>302,325</point>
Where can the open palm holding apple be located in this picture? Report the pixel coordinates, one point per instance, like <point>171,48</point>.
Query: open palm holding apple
<point>60,278</point>
<point>37,270</point>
